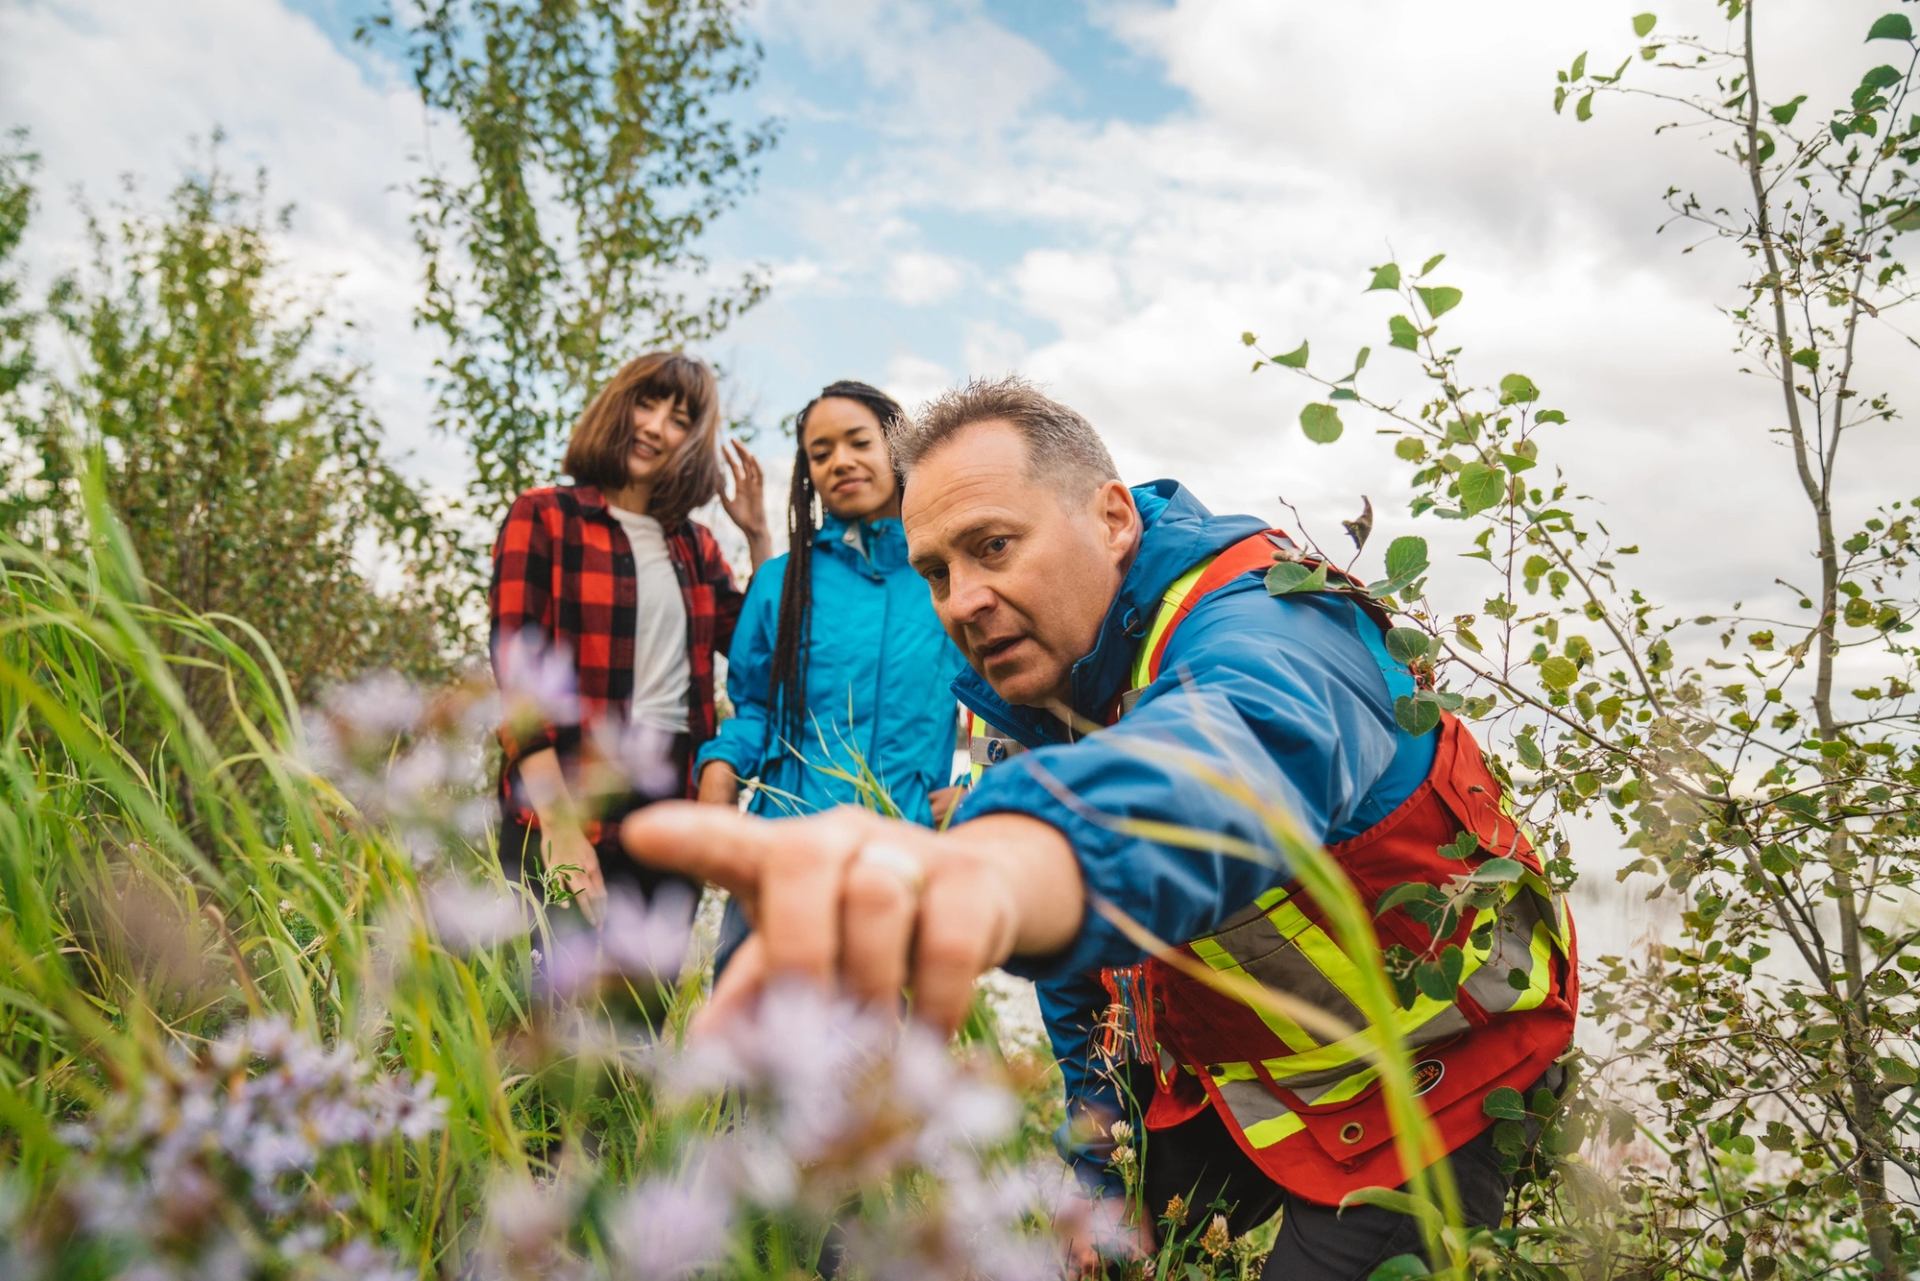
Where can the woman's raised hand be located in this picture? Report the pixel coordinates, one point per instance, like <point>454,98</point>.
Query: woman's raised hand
<point>746,506</point>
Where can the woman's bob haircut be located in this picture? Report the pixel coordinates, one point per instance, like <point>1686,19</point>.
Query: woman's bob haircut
<point>597,450</point>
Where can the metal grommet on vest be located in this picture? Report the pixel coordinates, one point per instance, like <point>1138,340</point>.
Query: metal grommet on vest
<point>1132,624</point>
<point>1352,1132</point>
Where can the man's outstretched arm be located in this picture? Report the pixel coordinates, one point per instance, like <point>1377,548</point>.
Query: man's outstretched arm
<point>873,905</point>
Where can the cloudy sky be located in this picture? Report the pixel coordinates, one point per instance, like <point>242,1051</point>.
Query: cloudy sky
<point>1102,194</point>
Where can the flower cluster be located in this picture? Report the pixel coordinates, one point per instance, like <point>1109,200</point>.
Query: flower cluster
<point>207,1169</point>
<point>839,1122</point>
<point>407,760</point>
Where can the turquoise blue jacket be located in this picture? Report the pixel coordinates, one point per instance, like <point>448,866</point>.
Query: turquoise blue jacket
<point>880,673</point>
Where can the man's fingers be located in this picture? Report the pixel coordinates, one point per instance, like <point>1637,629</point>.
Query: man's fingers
<point>877,933</point>
<point>711,843</point>
<point>735,990</point>
<point>800,893</point>
<point>957,925</point>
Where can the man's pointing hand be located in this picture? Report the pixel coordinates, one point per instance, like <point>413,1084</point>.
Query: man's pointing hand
<point>870,904</point>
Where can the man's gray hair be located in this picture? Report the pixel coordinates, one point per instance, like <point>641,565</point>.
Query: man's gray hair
<point>1063,449</point>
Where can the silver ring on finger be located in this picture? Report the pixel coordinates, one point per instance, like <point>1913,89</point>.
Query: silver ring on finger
<point>910,871</point>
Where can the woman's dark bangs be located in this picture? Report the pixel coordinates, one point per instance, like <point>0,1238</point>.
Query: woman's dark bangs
<point>679,378</point>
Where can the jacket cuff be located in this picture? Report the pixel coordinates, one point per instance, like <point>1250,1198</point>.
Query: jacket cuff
<point>721,748</point>
<point>1096,847</point>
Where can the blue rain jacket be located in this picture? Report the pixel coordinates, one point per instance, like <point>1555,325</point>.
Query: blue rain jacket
<point>879,681</point>
<point>1293,694</point>
<point>880,672</point>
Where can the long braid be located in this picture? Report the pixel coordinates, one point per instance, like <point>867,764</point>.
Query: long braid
<point>789,675</point>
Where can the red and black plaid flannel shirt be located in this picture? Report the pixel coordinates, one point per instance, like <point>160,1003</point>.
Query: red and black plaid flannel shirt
<point>563,569</point>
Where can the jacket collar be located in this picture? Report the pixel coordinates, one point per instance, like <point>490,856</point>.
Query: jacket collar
<point>1177,533</point>
<point>879,544</point>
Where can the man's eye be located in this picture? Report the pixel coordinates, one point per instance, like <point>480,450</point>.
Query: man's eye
<point>997,545</point>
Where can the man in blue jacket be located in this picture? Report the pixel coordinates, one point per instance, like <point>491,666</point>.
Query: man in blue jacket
<point>1049,573</point>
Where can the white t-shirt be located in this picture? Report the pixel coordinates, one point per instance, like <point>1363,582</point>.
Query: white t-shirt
<point>660,673</point>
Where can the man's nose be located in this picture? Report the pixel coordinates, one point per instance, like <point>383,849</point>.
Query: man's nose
<point>969,597</point>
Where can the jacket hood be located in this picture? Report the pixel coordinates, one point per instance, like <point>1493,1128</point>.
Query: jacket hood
<point>1178,533</point>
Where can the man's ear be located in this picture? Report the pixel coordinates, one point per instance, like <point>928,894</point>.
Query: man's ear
<point>1119,520</point>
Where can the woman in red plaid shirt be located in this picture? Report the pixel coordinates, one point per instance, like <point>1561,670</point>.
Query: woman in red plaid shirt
<point>609,581</point>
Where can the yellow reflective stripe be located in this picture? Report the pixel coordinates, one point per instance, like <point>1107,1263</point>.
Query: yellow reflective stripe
<point>1291,1034</point>
<point>1163,619</point>
<point>976,730</point>
<point>1541,971</point>
<point>1264,1134</point>
<point>1349,1087</point>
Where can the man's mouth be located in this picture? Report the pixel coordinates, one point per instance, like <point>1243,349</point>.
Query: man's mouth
<point>991,650</point>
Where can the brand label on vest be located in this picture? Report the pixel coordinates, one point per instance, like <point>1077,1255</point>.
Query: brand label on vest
<point>1427,1074</point>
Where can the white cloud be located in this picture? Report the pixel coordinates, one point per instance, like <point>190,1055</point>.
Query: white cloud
<point>956,72</point>
<point>918,279</point>
<point>109,89</point>
<point>912,380</point>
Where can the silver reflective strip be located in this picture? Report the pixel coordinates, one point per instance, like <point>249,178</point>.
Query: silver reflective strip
<point>1250,1102</point>
<point>1267,956</point>
<point>1512,950</point>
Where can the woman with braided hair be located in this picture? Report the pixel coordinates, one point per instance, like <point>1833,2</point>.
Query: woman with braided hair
<point>839,670</point>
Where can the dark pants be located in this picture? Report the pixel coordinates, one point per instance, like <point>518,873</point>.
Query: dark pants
<point>1200,1161</point>
<point>520,853</point>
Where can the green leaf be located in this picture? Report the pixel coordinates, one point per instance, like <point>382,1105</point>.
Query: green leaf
<point>1481,487</point>
<point>1247,339</point>
<point>1430,264</point>
<point>1530,754</point>
<point>1321,423</point>
<point>1500,870</point>
<point>1807,358</point>
<point>1406,557</point>
<point>1431,978</point>
<point>1291,576</point>
<point>1642,24</point>
<point>1416,715</point>
<point>1897,1071</point>
<point>1579,67</point>
<point>1359,363</point>
<point>1558,674</point>
<point>1407,643</point>
<point>1784,113</point>
<point>1907,219</point>
<point>1439,299</point>
<point>1385,276</point>
<point>1518,389</point>
<point>1583,109</point>
<point>1505,1104</point>
<point>1403,333</point>
<point>1410,448</point>
<point>1401,1267</point>
<point>1295,359</point>
<point>1409,892</point>
<point>1550,416</point>
<point>1892,26</point>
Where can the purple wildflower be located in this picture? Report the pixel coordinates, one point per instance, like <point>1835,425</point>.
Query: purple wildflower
<point>669,1230</point>
<point>537,681</point>
<point>638,940</point>
<point>469,916</point>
